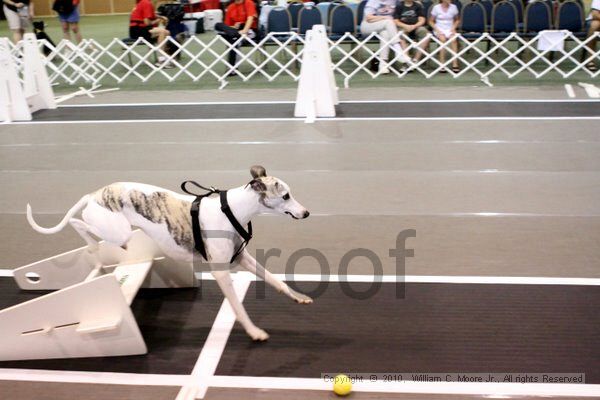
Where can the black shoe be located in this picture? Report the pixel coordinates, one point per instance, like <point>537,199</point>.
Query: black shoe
<point>374,66</point>
<point>232,73</point>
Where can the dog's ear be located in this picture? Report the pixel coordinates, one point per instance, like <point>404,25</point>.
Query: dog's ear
<point>258,186</point>
<point>258,171</point>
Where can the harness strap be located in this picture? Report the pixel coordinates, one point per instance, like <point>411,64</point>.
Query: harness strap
<point>195,214</point>
<point>246,235</point>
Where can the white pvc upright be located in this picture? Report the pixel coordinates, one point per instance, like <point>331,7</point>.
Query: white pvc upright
<point>317,92</point>
<point>38,91</point>
<point>13,106</point>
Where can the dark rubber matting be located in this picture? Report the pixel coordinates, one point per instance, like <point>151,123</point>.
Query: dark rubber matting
<point>174,323</point>
<point>437,328</point>
<point>344,110</point>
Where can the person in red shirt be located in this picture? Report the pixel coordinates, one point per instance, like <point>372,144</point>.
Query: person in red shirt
<point>146,24</point>
<point>240,20</point>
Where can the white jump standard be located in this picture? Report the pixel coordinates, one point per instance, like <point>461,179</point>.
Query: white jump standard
<point>92,317</point>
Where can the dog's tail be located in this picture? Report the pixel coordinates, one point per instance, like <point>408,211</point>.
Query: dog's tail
<point>47,231</point>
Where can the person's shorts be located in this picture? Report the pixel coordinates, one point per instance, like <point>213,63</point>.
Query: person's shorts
<point>141,31</point>
<point>71,18</point>
<point>15,21</point>
<point>417,34</point>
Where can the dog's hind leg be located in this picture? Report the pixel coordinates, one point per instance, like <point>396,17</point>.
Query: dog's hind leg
<point>224,280</point>
<point>249,263</point>
<point>84,231</point>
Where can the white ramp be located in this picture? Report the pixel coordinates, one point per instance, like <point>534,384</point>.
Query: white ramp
<point>90,315</point>
<point>13,106</point>
<point>317,92</point>
<point>90,319</point>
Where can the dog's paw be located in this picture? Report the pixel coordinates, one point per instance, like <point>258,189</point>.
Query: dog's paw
<point>257,334</point>
<point>299,297</point>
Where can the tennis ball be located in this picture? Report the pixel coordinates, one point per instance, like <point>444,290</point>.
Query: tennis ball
<point>342,385</point>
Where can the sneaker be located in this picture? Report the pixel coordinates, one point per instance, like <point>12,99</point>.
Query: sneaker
<point>383,68</point>
<point>403,58</point>
<point>161,59</point>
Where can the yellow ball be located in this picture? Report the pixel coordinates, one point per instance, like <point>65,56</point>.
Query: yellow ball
<point>342,385</point>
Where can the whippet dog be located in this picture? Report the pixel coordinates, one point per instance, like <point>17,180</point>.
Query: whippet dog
<point>110,212</point>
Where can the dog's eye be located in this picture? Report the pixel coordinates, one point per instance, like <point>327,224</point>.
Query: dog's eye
<point>286,196</point>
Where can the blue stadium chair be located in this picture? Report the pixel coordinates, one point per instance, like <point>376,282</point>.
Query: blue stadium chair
<point>279,20</point>
<point>458,4</point>
<point>537,18</point>
<point>333,5</point>
<point>550,5</point>
<point>308,17</point>
<point>571,17</point>
<point>342,21</point>
<point>504,19</point>
<point>360,12</point>
<point>294,9</point>
<point>489,6</point>
<point>519,6</point>
<point>323,7</point>
<point>472,20</point>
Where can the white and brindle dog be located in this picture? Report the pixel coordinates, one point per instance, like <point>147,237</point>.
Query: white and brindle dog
<point>110,212</point>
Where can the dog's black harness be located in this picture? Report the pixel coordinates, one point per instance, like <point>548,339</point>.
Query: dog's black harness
<point>195,213</point>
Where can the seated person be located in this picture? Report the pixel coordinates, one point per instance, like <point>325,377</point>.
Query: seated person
<point>410,19</point>
<point>145,24</point>
<point>379,17</point>
<point>444,20</point>
<point>241,19</point>
<point>594,27</point>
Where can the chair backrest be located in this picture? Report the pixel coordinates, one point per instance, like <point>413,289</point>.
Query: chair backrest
<point>537,17</point>
<point>342,20</point>
<point>323,8</point>
<point>519,6</point>
<point>360,12</point>
<point>279,20</point>
<point>294,9</point>
<point>504,17</point>
<point>458,4</point>
<point>333,5</point>
<point>571,16</point>
<point>308,17</point>
<point>489,6</point>
<point>473,18</point>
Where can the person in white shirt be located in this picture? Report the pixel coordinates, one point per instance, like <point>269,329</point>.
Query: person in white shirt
<point>594,27</point>
<point>379,17</point>
<point>444,20</point>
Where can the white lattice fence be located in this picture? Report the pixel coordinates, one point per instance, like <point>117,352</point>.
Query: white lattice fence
<point>279,55</point>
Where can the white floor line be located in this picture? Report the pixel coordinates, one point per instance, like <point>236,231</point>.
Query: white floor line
<point>301,120</point>
<point>484,389</point>
<point>110,378</point>
<point>200,103</point>
<point>215,343</point>
<point>570,91</point>
<point>459,279</point>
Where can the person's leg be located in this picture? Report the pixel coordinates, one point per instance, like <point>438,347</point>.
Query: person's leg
<point>367,28</point>
<point>423,42</point>
<point>594,27</point>
<point>76,31</point>
<point>65,28</point>
<point>230,34</point>
<point>442,39</point>
<point>454,46</point>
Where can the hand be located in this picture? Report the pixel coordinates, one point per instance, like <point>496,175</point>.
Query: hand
<point>244,32</point>
<point>409,28</point>
<point>19,5</point>
<point>237,25</point>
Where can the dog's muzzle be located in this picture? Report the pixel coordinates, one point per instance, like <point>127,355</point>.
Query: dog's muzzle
<point>305,215</point>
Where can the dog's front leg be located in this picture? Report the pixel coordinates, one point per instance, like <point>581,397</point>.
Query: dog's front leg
<point>249,263</point>
<point>224,280</point>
